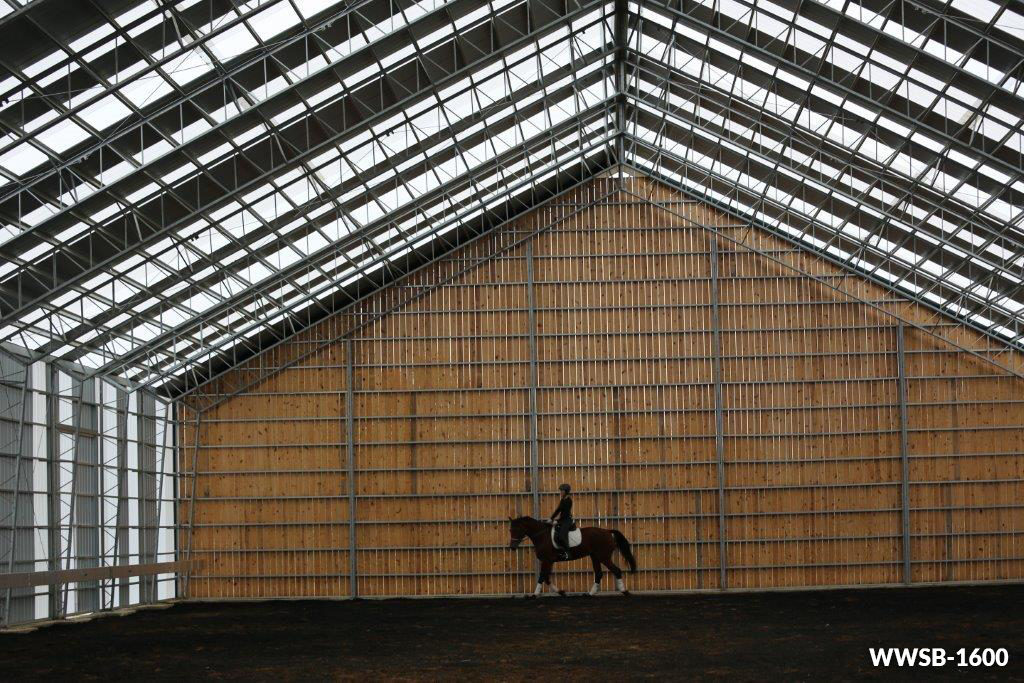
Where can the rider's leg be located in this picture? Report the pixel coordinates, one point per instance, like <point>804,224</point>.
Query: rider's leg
<point>562,534</point>
<point>597,575</point>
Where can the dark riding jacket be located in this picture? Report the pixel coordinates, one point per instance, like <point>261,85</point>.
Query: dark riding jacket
<point>563,513</point>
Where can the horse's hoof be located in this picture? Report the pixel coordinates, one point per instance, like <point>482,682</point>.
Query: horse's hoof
<point>530,596</point>
<point>562,593</point>
<point>625,594</point>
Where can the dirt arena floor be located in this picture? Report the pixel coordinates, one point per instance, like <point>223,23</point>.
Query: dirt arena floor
<point>810,635</point>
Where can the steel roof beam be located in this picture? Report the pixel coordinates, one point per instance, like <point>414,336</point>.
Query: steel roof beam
<point>754,164</point>
<point>990,356</point>
<point>392,219</point>
<point>429,72</point>
<point>817,146</point>
<point>796,62</point>
<point>363,100</point>
<point>786,214</point>
<point>507,190</point>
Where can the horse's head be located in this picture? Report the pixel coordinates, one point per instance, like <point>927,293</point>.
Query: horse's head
<point>517,531</point>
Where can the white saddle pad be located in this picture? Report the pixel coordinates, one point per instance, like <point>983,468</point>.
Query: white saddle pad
<point>575,537</point>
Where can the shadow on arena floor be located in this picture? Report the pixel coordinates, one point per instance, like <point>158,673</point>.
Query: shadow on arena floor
<point>804,635</point>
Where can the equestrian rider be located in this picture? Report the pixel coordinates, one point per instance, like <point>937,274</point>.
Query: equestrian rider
<point>564,523</point>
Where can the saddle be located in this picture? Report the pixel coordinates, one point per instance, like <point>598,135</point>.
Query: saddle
<point>575,538</point>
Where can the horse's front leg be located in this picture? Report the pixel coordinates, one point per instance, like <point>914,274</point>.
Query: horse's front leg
<point>545,576</point>
<point>542,578</point>
<point>551,584</point>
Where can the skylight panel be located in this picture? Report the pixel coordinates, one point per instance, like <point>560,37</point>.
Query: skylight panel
<point>310,8</point>
<point>356,78</point>
<point>302,190</point>
<point>178,173</point>
<point>39,214</point>
<point>45,63</point>
<point>189,66</point>
<point>22,159</point>
<point>105,112</point>
<point>146,90</point>
<point>145,26</point>
<point>136,12</point>
<point>214,153</point>
<point>40,121</point>
<point>91,37</point>
<point>1012,22</point>
<point>141,192</point>
<point>231,43</point>
<point>274,20</point>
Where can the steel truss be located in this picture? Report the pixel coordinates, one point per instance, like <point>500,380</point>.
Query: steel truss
<point>283,169</point>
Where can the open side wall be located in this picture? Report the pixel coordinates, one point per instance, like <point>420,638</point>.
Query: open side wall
<point>744,425</point>
<point>87,494</point>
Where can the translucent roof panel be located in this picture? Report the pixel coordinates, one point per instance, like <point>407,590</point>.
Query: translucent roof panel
<point>185,182</point>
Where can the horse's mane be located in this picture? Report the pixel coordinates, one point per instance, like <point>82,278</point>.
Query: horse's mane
<point>524,518</point>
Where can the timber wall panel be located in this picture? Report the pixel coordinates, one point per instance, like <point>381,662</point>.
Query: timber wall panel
<point>621,349</point>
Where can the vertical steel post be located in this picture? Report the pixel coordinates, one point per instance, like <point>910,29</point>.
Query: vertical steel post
<point>904,459</point>
<point>716,369</point>
<point>621,15</point>
<point>53,485</point>
<point>532,322</point>
<point>140,475</point>
<point>350,472</point>
<point>120,586</point>
<point>176,422</point>
<point>192,505</point>
<point>160,463</point>
<point>17,487</point>
<point>76,422</point>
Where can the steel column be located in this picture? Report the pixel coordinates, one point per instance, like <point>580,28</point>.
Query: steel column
<point>532,316</point>
<point>76,421</point>
<point>621,17</point>
<point>716,370</point>
<point>192,505</point>
<point>121,530</point>
<point>904,460</point>
<point>17,486</point>
<point>53,481</point>
<point>350,473</point>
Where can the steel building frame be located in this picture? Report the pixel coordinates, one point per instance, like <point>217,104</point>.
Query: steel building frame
<point>190,182</point>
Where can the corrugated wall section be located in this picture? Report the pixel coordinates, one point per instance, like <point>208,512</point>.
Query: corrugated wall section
<point>87,481</point>
<point>709,400</point>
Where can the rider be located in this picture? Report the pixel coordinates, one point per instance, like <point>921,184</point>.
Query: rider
<point>564,523</point>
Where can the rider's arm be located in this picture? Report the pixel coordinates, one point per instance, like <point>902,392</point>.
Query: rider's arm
<point>558,510</point>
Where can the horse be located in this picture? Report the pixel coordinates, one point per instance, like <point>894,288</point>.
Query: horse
<point>598,543</point>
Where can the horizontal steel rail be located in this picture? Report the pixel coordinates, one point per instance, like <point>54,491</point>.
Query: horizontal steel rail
<point>64,576</point>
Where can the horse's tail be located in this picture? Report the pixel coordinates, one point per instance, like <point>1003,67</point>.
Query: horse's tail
<point>624,548</point>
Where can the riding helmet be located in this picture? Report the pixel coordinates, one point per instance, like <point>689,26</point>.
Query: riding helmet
<point>565,487</point>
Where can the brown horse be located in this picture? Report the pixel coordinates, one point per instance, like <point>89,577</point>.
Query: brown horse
<point>598,543</point>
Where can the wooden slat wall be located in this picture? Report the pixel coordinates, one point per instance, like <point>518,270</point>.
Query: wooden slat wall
<point>620,349</point>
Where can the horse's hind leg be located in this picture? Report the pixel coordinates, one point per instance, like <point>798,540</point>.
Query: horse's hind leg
<point>597,575</point>
<point>620,584</point>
